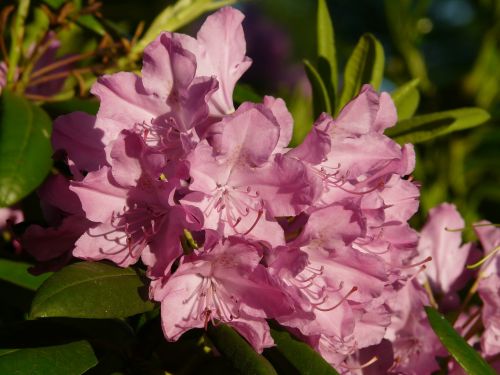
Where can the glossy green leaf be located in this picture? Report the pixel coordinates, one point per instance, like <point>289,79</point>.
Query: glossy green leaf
<point>365,65</point>
<point>91,290</point>
<point>327,55</point>
<point>464,354</point>
<point>17,273</point>
<point>70,359</point>
<point>25,149</point>
<point>425,127</point>
<point>406,98</point>
<point>239,352</point>
<point>300,355</point>
<point>321,99</point>
<point>174,17</point>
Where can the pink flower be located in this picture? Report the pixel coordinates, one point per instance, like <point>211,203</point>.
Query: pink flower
<point>350,154</point>
<point>227,64</point>
<point>8,218</point>
<point>440,240</point>
<point>183,81</point>
<point>222,284</point>
<point>489,288</point>
<point>77,137</point>
<point>239,184</point>
<point>414,342</point>
<point>131,203</point>
<point>12,215</point>
<point>340,292</point>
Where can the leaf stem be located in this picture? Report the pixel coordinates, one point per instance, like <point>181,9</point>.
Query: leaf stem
<point>17,36</point>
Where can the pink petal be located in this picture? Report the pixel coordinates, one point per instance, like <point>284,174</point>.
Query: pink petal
<point>368,112</point>
<point>77,135</point>
<point>100,197</point>
<point>167,66</point>
<point>125,155</point>
<point>317,144</point>
<point>125,103</point>
<point>46,244</point>
<point>250,135</point>
<point>284,119</point>
<point>255,331</point>
<point>228,64</point>
<point>442,243</point>
<point>104,241</point>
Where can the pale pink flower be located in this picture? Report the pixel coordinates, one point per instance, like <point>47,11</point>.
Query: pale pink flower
<point>239,184</point>
<point>489,287</point>
<point>222,284</point>
<point>130,203</point>
<point>415,344</point>
<point>10,215</point>
<point>441,240</point>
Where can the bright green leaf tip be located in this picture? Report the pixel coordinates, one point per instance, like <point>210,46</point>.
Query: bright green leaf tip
<point>425,127</point>
<point>464,354</point>
<point>326,50</point>
<point>364,66</point>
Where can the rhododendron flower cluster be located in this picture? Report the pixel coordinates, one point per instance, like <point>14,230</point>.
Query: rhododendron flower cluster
<point>410,346</point>
<point>232,225</point>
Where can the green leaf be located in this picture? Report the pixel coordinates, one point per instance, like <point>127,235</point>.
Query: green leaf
<point>89,106</point>
<point>406,98</point>
<point>300,106</point>
<point>174,17</point>
<point>237,350</point>
<point>16,39</point>
<point>245,93</point>
<point>464,354</point>
<point>321,99</point>
<point>56,4</point>
<point>327,56</point>
<point>35,30</point>
<point>89,22</point>
<point>365,65</point>
<point>17,273</point>
<point>69,359</point>
<point>91,290</point>
<point>301,355</point>
<point>25,149</point>
<point>425,127</point>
